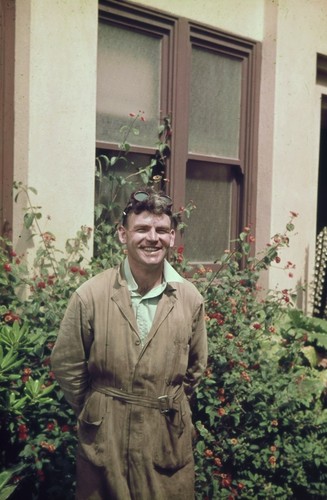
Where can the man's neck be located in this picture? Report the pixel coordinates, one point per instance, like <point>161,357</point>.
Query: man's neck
<point>146,278</point>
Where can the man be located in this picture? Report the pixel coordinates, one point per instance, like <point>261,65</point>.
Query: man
<point>131,349</point>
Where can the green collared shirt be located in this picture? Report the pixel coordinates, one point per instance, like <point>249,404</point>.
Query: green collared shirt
<point>145,306</point>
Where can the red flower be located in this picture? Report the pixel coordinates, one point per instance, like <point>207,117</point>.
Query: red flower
<point>22,428</point>
<point>41,284</point>
<point>7,267</point>
<point>208,453</point>
<point>245,376</point>
<point>256,326</point>
<point>46,362</point>
<point>226,480</point>
<point>74,269</point>
<point>22,432</point>
<point>10,317</point>
<point>40,474</point>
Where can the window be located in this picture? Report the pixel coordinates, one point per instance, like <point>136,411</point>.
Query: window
<point>207,81</point>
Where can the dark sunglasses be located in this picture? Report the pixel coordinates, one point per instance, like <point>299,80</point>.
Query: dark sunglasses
<point>143,196</point>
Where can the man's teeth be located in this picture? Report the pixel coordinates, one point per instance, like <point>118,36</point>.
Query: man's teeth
<point>150,249</point>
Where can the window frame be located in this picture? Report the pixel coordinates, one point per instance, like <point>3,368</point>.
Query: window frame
<point>182,34</point>
<point>7,67</point>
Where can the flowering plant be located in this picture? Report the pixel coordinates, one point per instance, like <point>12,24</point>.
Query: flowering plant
<point>37,427</point>
<point>261,409</point>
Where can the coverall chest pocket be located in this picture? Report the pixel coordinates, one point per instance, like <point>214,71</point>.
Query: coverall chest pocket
<point>177,360</point>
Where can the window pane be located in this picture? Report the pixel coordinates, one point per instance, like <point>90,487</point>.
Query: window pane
<point>215,104</point>
<point>208,232</point>
<point>128,81</point>
<point>110,191</point>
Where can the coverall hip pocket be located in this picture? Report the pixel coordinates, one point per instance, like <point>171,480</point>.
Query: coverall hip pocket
<point>173,446</point>
<point>91,429</point>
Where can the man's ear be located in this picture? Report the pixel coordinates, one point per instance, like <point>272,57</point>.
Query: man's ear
<point>122,234</point>
<point>172,238</point>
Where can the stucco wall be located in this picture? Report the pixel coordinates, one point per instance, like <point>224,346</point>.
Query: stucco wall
<point>55,93</point>
<point>301,33</point>
<point>244,18</point>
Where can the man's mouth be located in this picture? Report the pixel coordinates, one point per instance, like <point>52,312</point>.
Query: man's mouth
<point>150,249</point>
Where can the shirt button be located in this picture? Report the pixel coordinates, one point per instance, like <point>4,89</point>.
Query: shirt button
<point>137,342</point>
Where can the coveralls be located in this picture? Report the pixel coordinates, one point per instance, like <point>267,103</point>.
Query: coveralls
<point>132,400</point>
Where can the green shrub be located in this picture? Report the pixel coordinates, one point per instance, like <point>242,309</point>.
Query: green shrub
<point>37,428</point>
<point>261,409</point>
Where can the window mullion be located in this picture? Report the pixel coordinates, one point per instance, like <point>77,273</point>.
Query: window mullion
<point>180,113</point>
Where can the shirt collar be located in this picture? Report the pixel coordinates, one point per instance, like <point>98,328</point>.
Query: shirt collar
<point>169,274</point>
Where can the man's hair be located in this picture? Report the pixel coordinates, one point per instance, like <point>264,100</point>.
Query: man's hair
<point>155,202</point>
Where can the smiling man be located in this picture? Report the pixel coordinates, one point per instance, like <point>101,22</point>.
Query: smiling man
<point>131,349</point>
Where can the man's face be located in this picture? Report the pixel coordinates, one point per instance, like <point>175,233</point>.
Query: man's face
<point>148,238</point>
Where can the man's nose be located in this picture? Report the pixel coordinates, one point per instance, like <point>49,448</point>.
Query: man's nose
<point>152,234</point>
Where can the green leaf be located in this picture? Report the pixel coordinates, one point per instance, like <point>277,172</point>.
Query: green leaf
<point>311,355</point>
<point>28,220</point>
<point>104,160</point>
<point>7,491</point>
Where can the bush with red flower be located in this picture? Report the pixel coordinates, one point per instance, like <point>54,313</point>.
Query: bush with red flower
<point>261,410</point>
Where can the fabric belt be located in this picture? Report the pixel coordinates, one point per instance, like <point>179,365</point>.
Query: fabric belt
<point>164,403</point>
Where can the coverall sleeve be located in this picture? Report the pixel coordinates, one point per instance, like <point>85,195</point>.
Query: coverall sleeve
<point>70,353</point>
<point>198,354</point>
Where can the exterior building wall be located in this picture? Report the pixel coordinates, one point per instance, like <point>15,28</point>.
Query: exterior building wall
<point>55,96</point>
<point>55,93</point>
<point>301,33</point>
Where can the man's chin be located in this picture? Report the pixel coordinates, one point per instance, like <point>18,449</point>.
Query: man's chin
<point>154,258</point>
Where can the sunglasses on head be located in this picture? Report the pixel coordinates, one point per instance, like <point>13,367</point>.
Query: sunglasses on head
<point>143,196</point>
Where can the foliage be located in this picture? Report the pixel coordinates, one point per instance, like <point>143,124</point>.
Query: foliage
<point>261,409</point>
<point>37,427</point>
